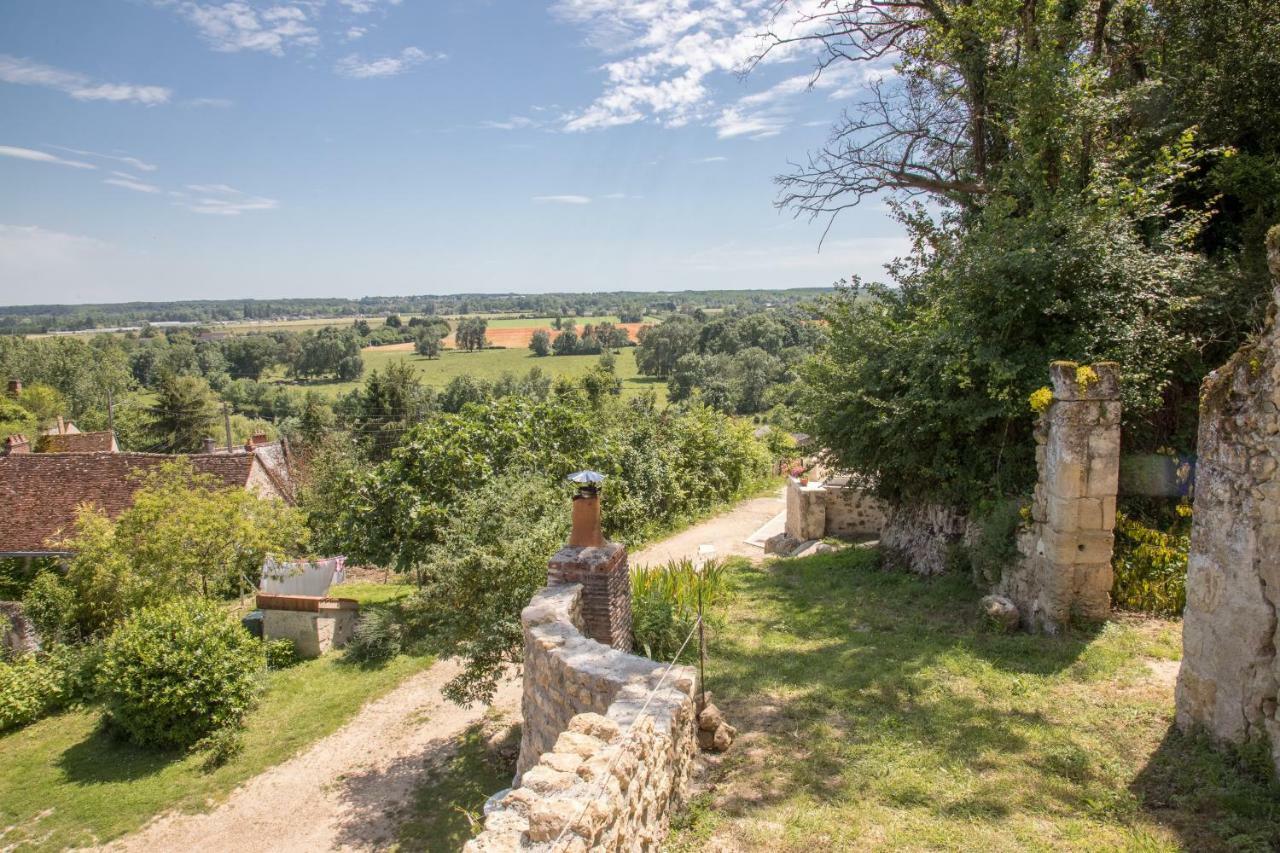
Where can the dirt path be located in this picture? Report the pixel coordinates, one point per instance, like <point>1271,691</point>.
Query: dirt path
<point>727,532</point>
<point>340,793</point>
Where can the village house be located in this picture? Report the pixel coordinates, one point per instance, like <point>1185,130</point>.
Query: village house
<point>41,491</point>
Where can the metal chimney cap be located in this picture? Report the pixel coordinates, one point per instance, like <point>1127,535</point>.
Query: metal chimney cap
<point>586,478</point>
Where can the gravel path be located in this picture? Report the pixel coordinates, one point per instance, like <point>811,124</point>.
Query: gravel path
<point>340,793</point>
<point>728,533</point>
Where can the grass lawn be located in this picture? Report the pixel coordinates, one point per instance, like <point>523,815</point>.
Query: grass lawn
<point>490,364</point>
<point>64,783</point>
<point>877,713</point>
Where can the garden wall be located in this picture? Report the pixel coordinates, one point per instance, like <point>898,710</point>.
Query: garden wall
<point>920,538</point>
<point>831,508</point>
<point>578,764</point>
<point>1229,682</point>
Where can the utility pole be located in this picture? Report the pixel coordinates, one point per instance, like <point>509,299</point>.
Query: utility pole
<point>111,413</point>
<point>226,423</point>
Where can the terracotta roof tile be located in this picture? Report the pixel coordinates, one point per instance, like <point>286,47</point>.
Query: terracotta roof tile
<point>39,492</point>
<point>79,442</point>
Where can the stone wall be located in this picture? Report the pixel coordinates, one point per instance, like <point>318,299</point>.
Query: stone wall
<point>1065,566</point>
<point>920,538</point>
<point>589,757</point>
<point>831,508</point>
<point>315,624</point>
<point>1229,682</point>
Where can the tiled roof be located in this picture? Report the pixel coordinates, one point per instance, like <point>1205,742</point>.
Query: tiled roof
<point>79,442</point>
<point>39,492</point>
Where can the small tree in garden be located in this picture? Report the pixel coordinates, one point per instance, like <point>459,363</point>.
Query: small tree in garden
<point>185,534</point>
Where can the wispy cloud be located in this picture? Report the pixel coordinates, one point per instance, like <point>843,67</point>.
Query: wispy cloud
<point>617,196</point>
<point>130,183</point>
<point>213,103</point>
<point>42,157</point>
<point>562,199</point>
<point>220,200</point>
<point>513,123</point>
<point>716,159</point>
<point>387,66</point>
<point>25,72</point>
<point>354,33</point>
<point>236,25</point>
<point>131,162</point>
<point>364,7</point>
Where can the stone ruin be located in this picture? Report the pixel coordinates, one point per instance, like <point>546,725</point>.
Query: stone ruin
<point>1229,682</point>
<point>1064,572</point>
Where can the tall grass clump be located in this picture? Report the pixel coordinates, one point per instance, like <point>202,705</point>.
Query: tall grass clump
<point>664,604</point>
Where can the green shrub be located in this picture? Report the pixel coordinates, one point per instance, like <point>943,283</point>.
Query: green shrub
<point>48,603</point>
<point>996,546</point>
<point>34,685</point>
<point>664,605</point>
<point>220,746</point>
<point>378,637</point>
<point>29,689</point>
<point>1150,564</point>
<point>281,653</point>
<point>178,671</point>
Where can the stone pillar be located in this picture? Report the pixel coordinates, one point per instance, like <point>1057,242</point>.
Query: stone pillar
<point>1065,570</point>
<point>601,568</point>
<point>1229,682</point>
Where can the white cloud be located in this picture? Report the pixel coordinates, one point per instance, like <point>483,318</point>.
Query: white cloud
<point>562,199</point>
<point>129,183</point>
<point>716,159</point>
<point>364,7</point>
<point>24,72</point>
<point>236,25</point>
<point>513,123</point>
<point>387,66</point>
<point>221,200</point>
<point>215,103</point>
<point>354,33</point>
<point>42,157</point>
<point>621,196</point>
<point>669,56</point>
<point>131,162</point>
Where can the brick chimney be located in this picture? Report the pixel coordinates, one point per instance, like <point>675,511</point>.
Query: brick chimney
<point>600,566</point>
<point>16,444</point>
<point>259,439</point>
<point>15,387</point>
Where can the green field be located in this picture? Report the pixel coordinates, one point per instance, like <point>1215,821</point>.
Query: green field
<point>490,364</point>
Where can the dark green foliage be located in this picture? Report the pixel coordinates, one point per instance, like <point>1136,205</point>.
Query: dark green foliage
<point>185,413</point>
<point>328,352</point>
<point>540,343</point>
<point>176,672</point>
<point>378,637</point>
<point>470,333</point>
<point>280,654</point>
<point>996,545</point>
<point>220,746</point>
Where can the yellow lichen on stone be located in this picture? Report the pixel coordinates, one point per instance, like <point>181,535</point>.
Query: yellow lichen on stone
<point>1086,376</point>
<point>1041,399</point>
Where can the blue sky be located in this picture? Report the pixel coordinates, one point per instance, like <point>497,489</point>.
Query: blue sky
<point>169,149</point>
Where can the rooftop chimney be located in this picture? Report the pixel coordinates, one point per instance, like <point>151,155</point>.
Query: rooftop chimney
<point>210,445</point>
<point>16,444</point>
<point>259,439</point>
<point>15,387</point>
<point>600,566</point>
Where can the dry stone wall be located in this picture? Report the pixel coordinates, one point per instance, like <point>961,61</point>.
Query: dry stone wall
<point>1229,682</point>
<point>1065,566</point>
<point>593,756</point>
<point>920,538</point>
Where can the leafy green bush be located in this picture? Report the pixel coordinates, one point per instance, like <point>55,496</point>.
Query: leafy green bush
<point>178,671</point>
<point>1150,564</point>
<point>29,688</point>
<point>378,637</point>
<point>664,605</point>
<point>281,653</point>
<point>38,684</point>
<point>220,746</point>
<point>996,545</point>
